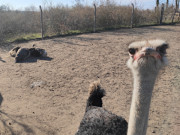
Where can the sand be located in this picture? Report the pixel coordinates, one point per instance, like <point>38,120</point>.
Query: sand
<point>48,96</point>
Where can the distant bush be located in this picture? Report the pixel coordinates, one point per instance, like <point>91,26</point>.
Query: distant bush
<point>62,19</point>
<point>14,23</point>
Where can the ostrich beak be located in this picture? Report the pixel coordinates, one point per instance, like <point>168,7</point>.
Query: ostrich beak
<point>147,52</point>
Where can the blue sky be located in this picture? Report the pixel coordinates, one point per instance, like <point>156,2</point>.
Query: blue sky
<point>22,4</point>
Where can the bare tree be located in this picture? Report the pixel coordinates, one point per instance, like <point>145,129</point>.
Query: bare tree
<point>78,2</point>
<point>4,8</point>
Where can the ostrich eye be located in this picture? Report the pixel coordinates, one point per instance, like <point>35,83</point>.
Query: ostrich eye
<point>132,51</point>
<point>162,49</point>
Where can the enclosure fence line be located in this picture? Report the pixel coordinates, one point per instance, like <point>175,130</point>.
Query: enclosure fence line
<point>20,26</point>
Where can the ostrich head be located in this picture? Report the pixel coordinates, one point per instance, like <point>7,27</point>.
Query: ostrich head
<point>147,56</point>
<point>43,52</point>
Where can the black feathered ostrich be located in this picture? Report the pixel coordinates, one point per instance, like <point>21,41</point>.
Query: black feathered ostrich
<point>146,59</point>
<point>21,54</point>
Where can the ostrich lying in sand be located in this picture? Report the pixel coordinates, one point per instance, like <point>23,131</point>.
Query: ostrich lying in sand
<point>146,59</point>
<point>21,54</point>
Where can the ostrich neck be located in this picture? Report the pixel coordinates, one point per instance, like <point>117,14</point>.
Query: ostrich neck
<point>141,99</point>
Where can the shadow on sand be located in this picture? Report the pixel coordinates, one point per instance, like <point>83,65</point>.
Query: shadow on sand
<point>1,99</point>
<point>139,30</point>
<point>2,60</point>
<point>6,121</point>
<point>35,59</point>
<point>11,126</point>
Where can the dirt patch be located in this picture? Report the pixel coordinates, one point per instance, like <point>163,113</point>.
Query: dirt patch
<point>48,96</point>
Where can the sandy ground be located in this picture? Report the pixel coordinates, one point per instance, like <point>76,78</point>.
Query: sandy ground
<point>48,96</point>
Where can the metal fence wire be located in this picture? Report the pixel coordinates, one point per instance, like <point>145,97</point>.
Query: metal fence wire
<point>79,18</point>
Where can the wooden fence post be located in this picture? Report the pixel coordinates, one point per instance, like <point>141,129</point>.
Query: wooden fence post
<point>42,29</point>
<point>167,4</point>
<point>177,5</point>
<point>172,21</point>
<point>157,14</point>
<point>162,13</point>
<point>94,29</point>
<point>132,16</point>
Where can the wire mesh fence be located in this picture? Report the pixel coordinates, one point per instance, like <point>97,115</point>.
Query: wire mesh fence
<point>59,20</point>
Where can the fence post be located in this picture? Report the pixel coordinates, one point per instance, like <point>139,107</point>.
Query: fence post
<point>162,13</point>
<point>172,21</point>
<point>94,29</point>
<point>132,16</point>
<point>42,29</point>
<point>167,4</point>
<point>157,14</point>
<point>177,5</point>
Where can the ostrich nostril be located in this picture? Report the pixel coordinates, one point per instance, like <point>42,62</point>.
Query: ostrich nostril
<point>147,49</point>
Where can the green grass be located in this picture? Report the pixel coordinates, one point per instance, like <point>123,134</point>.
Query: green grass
<point>34,36</point>
<point>37,36</point>
<point>24,37</point>
<point>74,32</point>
